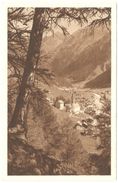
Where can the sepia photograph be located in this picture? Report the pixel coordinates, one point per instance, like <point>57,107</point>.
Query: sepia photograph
<point>59,91</point>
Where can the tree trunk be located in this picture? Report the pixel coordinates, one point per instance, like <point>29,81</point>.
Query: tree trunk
<point>31,61</point>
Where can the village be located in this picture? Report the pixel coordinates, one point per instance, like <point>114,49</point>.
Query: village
<point>87,114</point>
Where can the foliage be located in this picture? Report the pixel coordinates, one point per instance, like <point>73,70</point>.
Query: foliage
<point>66,146</point>
<point>103,162</point>
<point>23,159</point>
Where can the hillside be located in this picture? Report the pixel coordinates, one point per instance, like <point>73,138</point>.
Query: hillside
<point>80,57</point>
<point>102,80</point>
<point>50,43</point>
<point>84,56</point>
<point>91,62</point>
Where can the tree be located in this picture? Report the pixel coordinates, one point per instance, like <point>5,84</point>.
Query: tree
<point>105,135</point>
<point>31,61</point>
<point>17,51</point>
<point>45,19</point>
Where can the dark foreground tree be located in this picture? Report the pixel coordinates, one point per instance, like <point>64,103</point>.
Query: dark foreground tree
<point>31,61</point>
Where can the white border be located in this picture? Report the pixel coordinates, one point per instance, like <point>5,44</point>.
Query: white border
<point>3,84</point>
<point>58,3</point>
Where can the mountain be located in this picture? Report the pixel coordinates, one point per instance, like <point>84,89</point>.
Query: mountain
<point>50,43</point>
<point>49,46</point>
<point>81,57</point>
<point>101,81</point>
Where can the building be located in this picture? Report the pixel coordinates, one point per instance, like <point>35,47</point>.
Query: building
<point>60,104</point>
<point>75,107</point>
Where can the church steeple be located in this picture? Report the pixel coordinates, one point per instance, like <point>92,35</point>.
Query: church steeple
<point>72,98</point>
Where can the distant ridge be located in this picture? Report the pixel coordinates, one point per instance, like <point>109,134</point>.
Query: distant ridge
<point>84,56</point>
